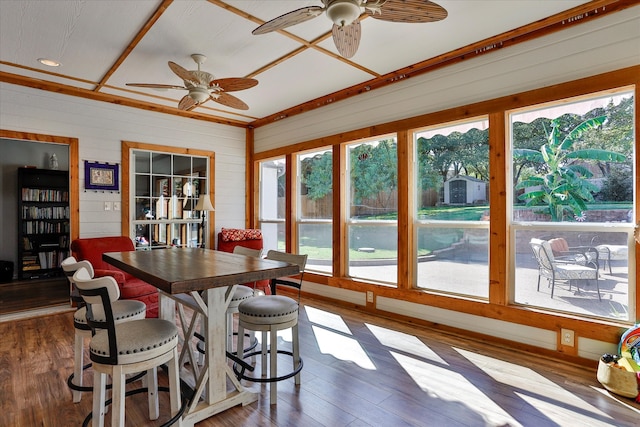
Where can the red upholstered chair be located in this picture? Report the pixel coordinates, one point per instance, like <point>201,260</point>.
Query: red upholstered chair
<point>251,238</point>
<point>91,249</point>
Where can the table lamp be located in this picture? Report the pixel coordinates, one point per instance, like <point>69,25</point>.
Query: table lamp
<point>204,205</point>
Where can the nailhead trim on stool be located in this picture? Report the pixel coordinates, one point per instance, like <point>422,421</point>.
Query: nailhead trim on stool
<point>121,349</point>
<point>123,311</point>
<point>270,313</point>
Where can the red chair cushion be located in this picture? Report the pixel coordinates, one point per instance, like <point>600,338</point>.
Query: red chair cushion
<point>91,249</point>
<point>558,245</point>
<point>238,234</point>
<point>229,238</point>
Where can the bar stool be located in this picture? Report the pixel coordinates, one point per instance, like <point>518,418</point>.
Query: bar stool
<point>119,349</point>
<point>273,313</point>
<point>241,293</point>
<point>123,310</point>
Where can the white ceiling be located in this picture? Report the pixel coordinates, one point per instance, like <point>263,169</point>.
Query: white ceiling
<point>88,38</point>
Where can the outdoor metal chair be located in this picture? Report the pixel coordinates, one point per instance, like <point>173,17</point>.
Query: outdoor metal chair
<point>564,270</point>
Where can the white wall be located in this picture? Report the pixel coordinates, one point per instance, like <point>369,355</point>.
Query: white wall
<point>605,44</point>
<point>100,127</point>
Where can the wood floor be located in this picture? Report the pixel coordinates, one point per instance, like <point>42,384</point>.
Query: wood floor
<point>20,295</point>
<point>359,370</point>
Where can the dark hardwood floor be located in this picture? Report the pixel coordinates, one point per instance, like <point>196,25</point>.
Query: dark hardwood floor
<point>359,370</point>
<point>20,295</point>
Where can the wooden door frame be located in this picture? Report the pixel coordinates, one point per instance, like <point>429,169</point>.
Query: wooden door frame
<point>74,179</point>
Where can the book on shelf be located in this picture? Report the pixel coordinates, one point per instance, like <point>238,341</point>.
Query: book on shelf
<point>50,245</point>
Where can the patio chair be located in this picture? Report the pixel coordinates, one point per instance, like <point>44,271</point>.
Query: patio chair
<point>555,270</point>
<point>583,255</point>
<point>607,252</point>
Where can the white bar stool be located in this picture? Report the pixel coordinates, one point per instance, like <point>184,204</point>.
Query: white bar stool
<point>123,310</point>
<point>270,314</point>
<point>119,349</point>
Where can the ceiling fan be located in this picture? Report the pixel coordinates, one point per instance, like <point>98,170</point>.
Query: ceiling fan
<point>203,86</point>
<point>345,14</point>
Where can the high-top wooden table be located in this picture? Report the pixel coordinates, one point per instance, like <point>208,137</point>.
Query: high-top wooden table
<point>191,271</point>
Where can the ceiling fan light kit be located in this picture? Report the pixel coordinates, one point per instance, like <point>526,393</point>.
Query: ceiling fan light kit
<point>203,86</point>
<point>343,12</point>
<point>345,16</point>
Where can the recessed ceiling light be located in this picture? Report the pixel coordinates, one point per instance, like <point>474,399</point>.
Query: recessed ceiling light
<point>48,62</point>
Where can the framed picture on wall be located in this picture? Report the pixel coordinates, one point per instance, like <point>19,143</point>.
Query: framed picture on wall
<point>100,176</point>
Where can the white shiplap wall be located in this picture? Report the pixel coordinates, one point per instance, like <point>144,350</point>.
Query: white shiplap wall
<point>605,44</point>
<point>100,127</point>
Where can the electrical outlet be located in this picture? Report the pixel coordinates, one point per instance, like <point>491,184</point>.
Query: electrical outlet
<point>116,206</point>
<point>369,296</point>
<point>107,206</point>
<point>567,337</point>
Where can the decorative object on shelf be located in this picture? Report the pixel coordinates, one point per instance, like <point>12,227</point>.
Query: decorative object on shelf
<point>53,162</point>
<point>101,176</point>
<point>204,205</point>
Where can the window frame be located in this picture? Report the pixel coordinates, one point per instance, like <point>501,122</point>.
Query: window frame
<point>497,307</point>
<point>568,226</point>
<point>300,222</point>
<point>128,195</point>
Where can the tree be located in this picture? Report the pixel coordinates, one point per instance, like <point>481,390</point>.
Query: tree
<point>563,185</point>
<point>374,171</point>
<point>317,175</point>
<point>618,187</point>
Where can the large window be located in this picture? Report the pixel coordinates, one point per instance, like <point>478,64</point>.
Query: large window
<point>315,209</point>
<point>165,188</point>
<point>372,217</point>
<point>452,208</point>
<point>572,205</point>
<point>272,205</point>
<point>534,214</point>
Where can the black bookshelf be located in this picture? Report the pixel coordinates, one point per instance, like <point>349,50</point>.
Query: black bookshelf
<point>43,222</point>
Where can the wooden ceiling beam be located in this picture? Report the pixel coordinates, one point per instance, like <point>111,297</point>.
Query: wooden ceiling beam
<point>138,37</point>
<point>113,99</point>
<point>305,44</point>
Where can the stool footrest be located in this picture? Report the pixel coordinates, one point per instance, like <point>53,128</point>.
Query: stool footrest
<point>170,422</point>
<point>241,375</point>
<point>72,385</point>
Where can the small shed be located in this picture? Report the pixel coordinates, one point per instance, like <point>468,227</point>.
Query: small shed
<point>463,190</point>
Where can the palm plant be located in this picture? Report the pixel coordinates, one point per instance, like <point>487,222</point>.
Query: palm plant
<point>563,185</point>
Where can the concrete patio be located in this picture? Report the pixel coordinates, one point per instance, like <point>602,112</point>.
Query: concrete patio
<point>469,276</point>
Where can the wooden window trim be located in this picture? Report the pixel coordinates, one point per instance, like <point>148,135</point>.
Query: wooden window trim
<point>127,146</point>
<point>497,307</point>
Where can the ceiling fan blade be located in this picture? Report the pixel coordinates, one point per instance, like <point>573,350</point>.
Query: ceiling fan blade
<point>186,103</point>
<point>230,101</point>
<point>288,19</point>
<point>232,84</point>
<point>183,73</point>
<point>154,86</point>
<point>409,11</point>
<point>347,38</point>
